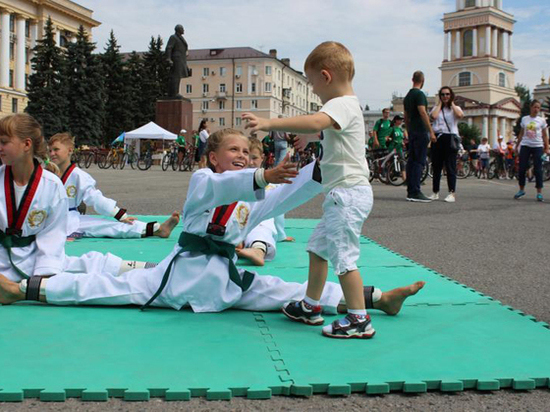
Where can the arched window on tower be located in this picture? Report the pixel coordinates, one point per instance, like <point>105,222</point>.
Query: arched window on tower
<point>502,80</point>
<point>468,43</point>
<point>464,79</point>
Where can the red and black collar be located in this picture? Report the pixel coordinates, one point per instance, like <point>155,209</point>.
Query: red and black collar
<point>16,215</point>
<point>220,219</point>
<point>67,173</point>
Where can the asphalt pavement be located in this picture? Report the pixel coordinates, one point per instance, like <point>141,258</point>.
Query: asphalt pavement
<point>486,240</point>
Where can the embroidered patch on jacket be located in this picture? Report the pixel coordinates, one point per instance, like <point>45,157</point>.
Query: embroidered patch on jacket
<point>71,191</point>
<point>36,218</point>
<point>242,215</point>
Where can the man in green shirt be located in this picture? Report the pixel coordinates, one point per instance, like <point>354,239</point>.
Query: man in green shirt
<point>180,143</point>
<point>420,132</point>
<point>382,130</point>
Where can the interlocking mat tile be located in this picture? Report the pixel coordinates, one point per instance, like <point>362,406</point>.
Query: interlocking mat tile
<point>448,337</point>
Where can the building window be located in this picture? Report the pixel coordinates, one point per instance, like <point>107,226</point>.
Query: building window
<point>238,87</point>
<point>12,51</point>
<point>0,102</point>
<point>253,104</point>
<point>238,104</point>
<point>12,23</point>
<point>190,71</point>
<point>221,104</point>
<point>238,121</point>
<point>27,29</point>
<point>63,42</point>
<point>14,105</point>
<point>238,71</point>
<point>205,88</point>
<point>205,71</point>
<point>253,88</point>
<point>268,87</point>
<point>464,79</point>
<point>223,71</point>
<point>502,80</point>
<point>468,43</point>
<point>205,105</point>
<point>189,88</point>
<point>222,121</point>
<point>470,3</point>
<point>26,81</point>
<point>27,55</point>
<point>222,87</point>
<point>11,78</point>
<point>268,70</point>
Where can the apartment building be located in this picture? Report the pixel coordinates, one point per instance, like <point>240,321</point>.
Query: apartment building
<point>22,23</point>
<point>227,82</point>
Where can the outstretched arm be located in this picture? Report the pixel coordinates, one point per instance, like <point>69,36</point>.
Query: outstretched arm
<point>311,123</point>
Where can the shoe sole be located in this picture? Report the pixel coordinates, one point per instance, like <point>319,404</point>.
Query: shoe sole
<point>365,335</point>
<point>304,320</point>
<point>419,200</point>
<point>518,197</point>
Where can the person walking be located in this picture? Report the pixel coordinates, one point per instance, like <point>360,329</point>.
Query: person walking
<point>532,142</point>
<point>203,138</point>
<point>280,143</point>
<point>420,132</point>
<point>444,151</point>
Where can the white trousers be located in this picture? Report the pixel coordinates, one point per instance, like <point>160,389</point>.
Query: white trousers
<point>264,232</point>
<point>93,263</point>
<point>91,226</point>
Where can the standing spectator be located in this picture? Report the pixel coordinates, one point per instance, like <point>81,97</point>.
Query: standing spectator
<point>499,149</point>
<point>472,151</point>
<point>444,151</point>
<point>532,141</point>
<point>204,133</point>
<point>396,138</point>
<point>181,143</point>
<point>420,132</point>
<point>510,152</point>
<point>484,153</point>
<point>280,143</point>
<point>381,131</point>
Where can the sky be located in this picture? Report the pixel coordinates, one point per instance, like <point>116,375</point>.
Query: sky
<point>389,39</point>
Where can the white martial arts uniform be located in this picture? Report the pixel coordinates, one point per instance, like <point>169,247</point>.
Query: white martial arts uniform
<point>81,187</point>
<point>198,280</point>
<point>45,218</point>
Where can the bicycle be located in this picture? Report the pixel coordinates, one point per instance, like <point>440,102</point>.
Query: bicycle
<point>145,161</point>
<point>170,159</point>
<point>377,162</point>
<point>497,168</point>
<point>188,162</point>
<point>396,169</point>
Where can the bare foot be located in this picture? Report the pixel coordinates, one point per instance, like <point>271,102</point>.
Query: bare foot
<point>392,301</point>
<point>256,256</point>
<point>166,228</point>
<point>288,239</point>
<point>9,291</point>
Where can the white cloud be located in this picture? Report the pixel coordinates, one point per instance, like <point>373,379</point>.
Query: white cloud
<point>388,38</point>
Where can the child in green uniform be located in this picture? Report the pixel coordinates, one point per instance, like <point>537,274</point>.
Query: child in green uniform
<point>397,135</point>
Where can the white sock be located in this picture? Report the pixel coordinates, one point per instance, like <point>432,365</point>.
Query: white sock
<point>128,265</point>
<point>376,295</point>
<point>358,312</point>
<point>310,301</point>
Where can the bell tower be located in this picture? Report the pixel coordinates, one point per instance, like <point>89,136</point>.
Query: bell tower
<point>477,64</point>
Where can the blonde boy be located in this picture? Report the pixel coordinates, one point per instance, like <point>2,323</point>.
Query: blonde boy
<point>330,70</point>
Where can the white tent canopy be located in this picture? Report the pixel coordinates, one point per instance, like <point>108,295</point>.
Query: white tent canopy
<point>150,131</point>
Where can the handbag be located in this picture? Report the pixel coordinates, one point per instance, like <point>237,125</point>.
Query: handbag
<point>455,140</point>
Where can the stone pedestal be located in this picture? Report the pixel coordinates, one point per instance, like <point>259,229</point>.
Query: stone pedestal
<point>174,115</point>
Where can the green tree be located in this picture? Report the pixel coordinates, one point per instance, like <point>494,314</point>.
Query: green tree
<point>468,133</point>
<point>525,101</point>
<point>523,92</point>
<point>155,81</point>
<point>118,114</point>
<point>135,70</point>
<point>47,92</point>
<point>85,85</point>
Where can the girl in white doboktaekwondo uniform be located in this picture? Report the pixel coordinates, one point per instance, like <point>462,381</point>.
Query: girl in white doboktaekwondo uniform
<point>223,202</point>
<point>33,209</point>
<point>81,187</point>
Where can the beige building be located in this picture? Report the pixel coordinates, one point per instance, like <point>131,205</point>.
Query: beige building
<point>227,82</point>
<point>21,25</point>
<point>477,64</point>
<point>542,93</point>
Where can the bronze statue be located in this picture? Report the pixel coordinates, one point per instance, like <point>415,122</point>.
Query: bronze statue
<point>176,53</point>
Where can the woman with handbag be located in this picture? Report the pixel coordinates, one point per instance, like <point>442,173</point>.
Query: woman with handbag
<point>445,116</point>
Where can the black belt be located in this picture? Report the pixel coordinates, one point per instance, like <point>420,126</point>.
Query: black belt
<point>208,246</point>
<point>73,209</point>
<point>9,241</point>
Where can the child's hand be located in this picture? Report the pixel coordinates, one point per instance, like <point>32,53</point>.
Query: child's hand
<point>284,171</point>
<point>300,142</point>
<point>255,123</point>
<point>129,220</point>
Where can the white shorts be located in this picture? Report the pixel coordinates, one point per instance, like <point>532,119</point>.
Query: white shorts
<point>336,237</point>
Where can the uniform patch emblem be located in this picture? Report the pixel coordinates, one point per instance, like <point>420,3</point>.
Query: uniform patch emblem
<point>71,191</point>
<point>242,215</point>
<point>36,218</point>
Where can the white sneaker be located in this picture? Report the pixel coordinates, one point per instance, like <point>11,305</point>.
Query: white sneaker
<point>450,198</point>
<point>434,196</point>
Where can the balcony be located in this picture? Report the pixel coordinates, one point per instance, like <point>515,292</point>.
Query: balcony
<point>221,95</point>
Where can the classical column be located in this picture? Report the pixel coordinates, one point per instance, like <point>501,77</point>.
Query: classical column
<point>510,47</point>
<point>5,49</point>
<point>494,128</point>
<point>478,3</point>
<point>494,51</point>
<point>458,4</point>
<point>498,4</point>
<point>485,127</point>
<point>458,54</point>
<point>58,37</point>
<point>470,121</point>
<point>505,40</point>
<point>474,40</point>
<point>488,41</point>
<point>34,38</point>
<point>502,128</point>
<point>446,47</point>
<point>20,53</point>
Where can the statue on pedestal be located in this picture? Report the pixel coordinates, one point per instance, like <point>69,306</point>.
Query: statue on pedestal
<point>176,53</point>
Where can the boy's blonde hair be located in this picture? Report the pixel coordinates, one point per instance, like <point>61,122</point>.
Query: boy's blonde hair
<point>215,141</point>
<point>334,57</point>
<point>255,144</point>
<point>63,138</point>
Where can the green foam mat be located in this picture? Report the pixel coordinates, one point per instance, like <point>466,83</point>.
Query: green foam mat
<point>448,337</point>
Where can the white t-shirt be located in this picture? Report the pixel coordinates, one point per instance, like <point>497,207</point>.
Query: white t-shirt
<point>439,125</point>
<point>343,163</point>
<point>203,135</point>
<point>19,192</point>
<point>502,145</point>
<point>532,131</point>
<point>483,151</point>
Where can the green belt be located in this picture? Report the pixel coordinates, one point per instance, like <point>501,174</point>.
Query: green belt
<point>11,241</point>
<point>208,246</point>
